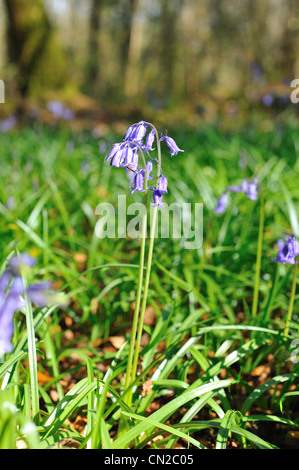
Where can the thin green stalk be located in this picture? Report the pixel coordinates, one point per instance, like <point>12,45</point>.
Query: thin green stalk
<point>32,358</point>
<point>138,301</point>
<point>258,257</point>
<point>145,294</point>
<point>138,318</point>
<point>291,304</point>
<point>140,281</point>
<point>272,295</point>
<point>147,277</point>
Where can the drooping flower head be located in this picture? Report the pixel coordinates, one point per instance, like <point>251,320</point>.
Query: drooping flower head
<point>139,139</point>
<point>138,183</point>
<point>173,148</point>
<point>287,251</point>
<point>157,197</point>
<point>149,169</point>
<point>162,184</point>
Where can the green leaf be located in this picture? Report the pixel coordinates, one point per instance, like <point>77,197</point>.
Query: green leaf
<point>167,410</point>
<point>263,388</point>
<point>167,428</point>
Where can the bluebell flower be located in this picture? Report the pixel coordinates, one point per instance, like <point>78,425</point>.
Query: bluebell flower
<point>173,148</point>
<point>139,132</point>
<point>251,191</point>
<point>13,292</point>
<point>221,204</point>
<point>8,307</point>
<point>129,132</point>
<point>150,140</point>
<point>42,294</point>
<point>248,187</point>
<point>118,157</point>
<point>21,262</point>
<point>133,166</point>
<point>140,137</point>
<point>130,156</point>
<point>288,252</point>
<point>138,183</point>
<point>157,197</point>
<point>162,185</point>
<point>113,151</point>
<point>4,281</point>
<point>149,169</point>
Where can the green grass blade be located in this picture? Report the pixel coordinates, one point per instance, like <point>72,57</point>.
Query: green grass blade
<point>167,428</point>
<point>168,409</point>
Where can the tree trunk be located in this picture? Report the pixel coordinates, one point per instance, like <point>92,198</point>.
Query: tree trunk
<point>93,54</point>
<point>168,46</point>
<point>31,43</point>
<point>131,79</point>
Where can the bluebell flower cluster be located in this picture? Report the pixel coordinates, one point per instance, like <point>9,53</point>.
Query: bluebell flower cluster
<point>12,292</point>
<point>139,139</point>
<point>287,251</point>
<point>249,187</point>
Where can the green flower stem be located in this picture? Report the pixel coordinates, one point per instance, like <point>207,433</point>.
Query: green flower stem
<point>258,257</point>
<point>128,378</point>
<point>145,294</point>
<point>147,276</point>
<point>138,320</point>
<point>291,304</point>
<point>272,295</point>
<point>32,358</point>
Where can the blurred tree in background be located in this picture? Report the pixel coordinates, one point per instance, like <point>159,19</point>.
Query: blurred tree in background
<point>32,47</point>
<point>158,52</point>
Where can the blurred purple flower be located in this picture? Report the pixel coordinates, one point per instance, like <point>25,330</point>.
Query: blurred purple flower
<point>221,204</point>
<point>257,71</point>
<point>68,114</point>
<point>8,124</point>
<point>13,293</point>
<point>17,263</point>
<point>248,187</point>
<point>288,252</point>
<point>10,204</point>
<point>251,191</point>
<point>8,307</point>
<point>59,110</point>
<point>268,99</point>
